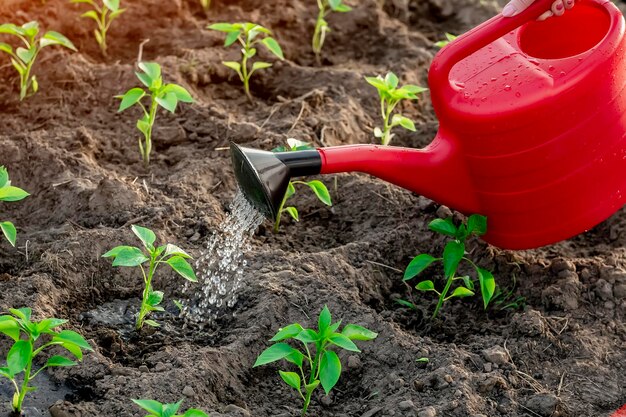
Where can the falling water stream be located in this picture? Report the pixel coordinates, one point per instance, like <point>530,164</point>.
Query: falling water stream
<point>220,266</point>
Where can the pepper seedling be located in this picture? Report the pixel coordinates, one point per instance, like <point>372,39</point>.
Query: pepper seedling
<point>156,409</point>
<point>9,193</point>
<point>22,353</point>
<point>390,95</point>
<point>248,35</point>
<point>453,254</point>
<point>318,365</point>
<point>23,57</point>
<point>325,7</point>
<point>449,38</point>
<point>164,95</point>
<point>104,12</point>
<point>316,186</point>
<point>151,257</point>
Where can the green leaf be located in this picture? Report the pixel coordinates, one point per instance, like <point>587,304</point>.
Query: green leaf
<point>170,409</point>
<point>293,212</point>
<point>74,350</point>
<point>487,285</point>
<point>334,3</point>
<point>295,357</point>
<point>11,29</point>
<point>57,360</point>
<point>406,303</point>
<point>330,370</point>
<point>287,332</point>
<point>131,98</point>
<point>260,65</point>
<point>311,387</point>
<point>320,191</point>
<point>91,14</point>
<point>427,285</point>
<point>343,8</point>
<point>181,93</point>
<point>4,176</point>
<point>343,342</point>
<point>461,292</point>
<point>70,336</point>
<point>223,27</point>
<point>11,193</point>
<point>443,226</point>
<point>9,232</point>
<point>354,332</point>
<point>192,412</point>
<point>231,38</point>
<point>155,298</point>
<point>5,372</point>
<point>19,356</point>
<point>182,268</point>
<point>126,256</point>
<point>405,122</point>
<point>112,5</point>
<point>55,38</point>
<point>452,255</point>
<point>391,80</point>
<point>477,224</point>
<point>377,82</point>
<point>146,236</point>
<point>23,313</point>
<point>417,265</point>
<point>144,78</point>
<point>291,190</point>
<point>308,336</point>
<point>273,46</point>
<point>168,102</point>
<point>152,323</point>
<point>150,406</point>
<point>324,320</point>
<point>414,89</point>
<point>152,69</point>
<point>291,378</point>
<point>236,66</point>
<point>274,353</point>
<point>10,327</point>
<point>26,55</point>
<point>175,250</point>
<point>46,325</point>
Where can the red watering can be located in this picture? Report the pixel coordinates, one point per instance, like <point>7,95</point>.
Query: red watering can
<point>532,130</point>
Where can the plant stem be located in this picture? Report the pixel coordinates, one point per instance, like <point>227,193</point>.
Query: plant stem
<point>147,290</point>
<point>317,35</point>
<point>148,143</point>
<point>280,212</point>
<point>103,33</point>
<point>442,296</point>
<point>307,401</point>
<point>387,109</point>
<point>22,392</point>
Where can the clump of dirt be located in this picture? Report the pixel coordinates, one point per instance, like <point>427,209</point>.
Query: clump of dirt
<point>560,354</point>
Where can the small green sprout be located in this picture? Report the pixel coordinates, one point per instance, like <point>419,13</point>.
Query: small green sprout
<point>206,5</point>
<point>321,25</point>
<point>156,409</point>
<point>248,35</point>
<point>422,360</point>
<point>23,352</point>
<point>103,14</point>
<point>316,186</point>
<point>449,38</point>
<point>164,95</point>
<point>321,363</point>
<point>390,95</point>
<point>9,193</point>
<point>23,57</point>
<point>453,254</point>
<point>132,256</point>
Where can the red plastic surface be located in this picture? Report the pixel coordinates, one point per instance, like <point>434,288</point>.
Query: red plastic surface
<point>533,126</point>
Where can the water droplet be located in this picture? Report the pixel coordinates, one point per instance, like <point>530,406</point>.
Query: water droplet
<point>518,94</point>
<point>459,84</point>
<point>551,68</point>
<point>507,88</point>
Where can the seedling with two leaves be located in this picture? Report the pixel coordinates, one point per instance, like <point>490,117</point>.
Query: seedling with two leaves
<point>322,28</point>
<point>318,364</point>
<point>23,57</point>
<point>164,95</point>
<point>156,409</point>
<point>249,35</point>
<point>151,257</point>
<point>23,351</point>
<point>390,96</point>
<point>9,193</point>
<point>316,186</point>
<point>104,12</point>
<point>453,254</point>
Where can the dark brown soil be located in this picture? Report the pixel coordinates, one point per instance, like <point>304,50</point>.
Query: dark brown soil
<point>561,354</point>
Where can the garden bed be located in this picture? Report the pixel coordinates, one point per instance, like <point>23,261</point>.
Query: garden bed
<point>562,354</point>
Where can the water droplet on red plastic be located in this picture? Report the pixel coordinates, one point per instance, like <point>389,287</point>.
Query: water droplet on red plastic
<point>460,84</point>
<point>505,73</point>
<point>507,88</point>
<point>551,68</point>
<point>518,94</point>
<point>493,79</point>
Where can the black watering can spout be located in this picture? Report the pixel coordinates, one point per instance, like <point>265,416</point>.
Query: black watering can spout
<point>264,176</point>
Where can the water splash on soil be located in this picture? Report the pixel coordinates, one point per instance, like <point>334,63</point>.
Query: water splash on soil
<point>220,267</point>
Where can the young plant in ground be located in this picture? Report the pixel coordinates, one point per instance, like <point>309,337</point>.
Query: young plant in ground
<point>164,95</point>
<point>390,95</point>
<point>156,409</point>
<point>148,260</point>
<point>9,193</point>
<point>23,57</point>
<point>453,254</point>
<point>317,364</point>
<point>104,12</point>
<point>449,38</point>
<point>19,361</point>
<point>325,7</point>
<point>249,35</point>
<point>316,186</point>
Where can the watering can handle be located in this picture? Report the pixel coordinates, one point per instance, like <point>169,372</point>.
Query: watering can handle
<point>479,37</point>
